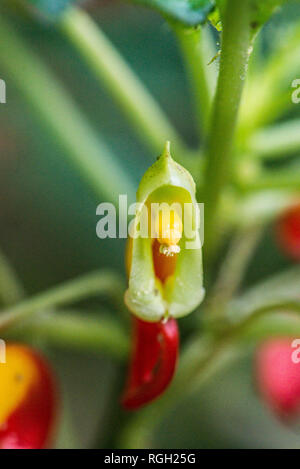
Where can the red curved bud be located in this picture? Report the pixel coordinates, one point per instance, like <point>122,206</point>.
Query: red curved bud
<point>278,377</point>
<point>288,232</point>
<point>27,399</point>
<point>153,362</point>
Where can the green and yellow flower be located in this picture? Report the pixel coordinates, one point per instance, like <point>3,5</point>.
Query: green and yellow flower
<point>164,258</point>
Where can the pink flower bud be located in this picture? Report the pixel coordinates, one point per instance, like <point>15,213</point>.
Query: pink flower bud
<point>278,376</point>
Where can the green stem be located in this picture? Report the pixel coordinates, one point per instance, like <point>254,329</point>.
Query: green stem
<point>11,289</point>
<point>83,332</point>
<point>287,179</point>
<point>233,66</point>
<point>192,45</point>
<point>279,140</point>
<point>111,69</point>
<point>271,325</point>
<point>56,110</point>
<point>259,208</point>
<point>96,283</point>
<point>269,92</point>
<point>232,270</point>
<point>242,323</point>
<point>280,292</point>
<point>66,437</point>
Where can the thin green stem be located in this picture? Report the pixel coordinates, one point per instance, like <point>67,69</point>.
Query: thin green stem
<point>110,68</point>
<point>192,46</point>
<point>271,325</point>
<point>96,283</point>
<point>279,140</point>
<point>232,270</point>
<point>241,324</point>
<point>58,113</point>
<point>259,208</point>
<point>269,92</point>
<point>284,179</point>
<point>11,289</point>
<point>233,67</point>
<point>83,332</point>
<point>66,437</point>
<point>280,292</point>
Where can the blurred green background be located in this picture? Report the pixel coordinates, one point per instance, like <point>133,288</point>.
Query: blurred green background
<point>48,220</point>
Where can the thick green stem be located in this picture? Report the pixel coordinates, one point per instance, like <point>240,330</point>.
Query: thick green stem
<point>58,113</point>
<point>96,283</point>
<point>233,67</point>
<point>112,70</point>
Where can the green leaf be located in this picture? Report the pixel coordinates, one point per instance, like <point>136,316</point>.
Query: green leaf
<point>188,12</point>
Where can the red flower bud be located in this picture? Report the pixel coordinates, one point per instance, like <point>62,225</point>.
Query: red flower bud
<point>288,232</point>
<point>153,362</point>
<point>27,399</point>
<point>278,377</point>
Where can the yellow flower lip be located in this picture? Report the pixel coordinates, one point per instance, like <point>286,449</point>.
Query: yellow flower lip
<point>28,399</point>
<point>17,376</point>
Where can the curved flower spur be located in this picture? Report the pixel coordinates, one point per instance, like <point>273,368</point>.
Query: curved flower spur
<point>153,362</point>
<point>164,266</point>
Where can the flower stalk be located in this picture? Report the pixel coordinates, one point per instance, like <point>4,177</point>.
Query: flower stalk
<point>94,284</point>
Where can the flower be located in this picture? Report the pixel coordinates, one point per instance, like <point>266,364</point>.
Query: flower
<point>164,256</point>
<point>278,377</point>
<point>27,399</point>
